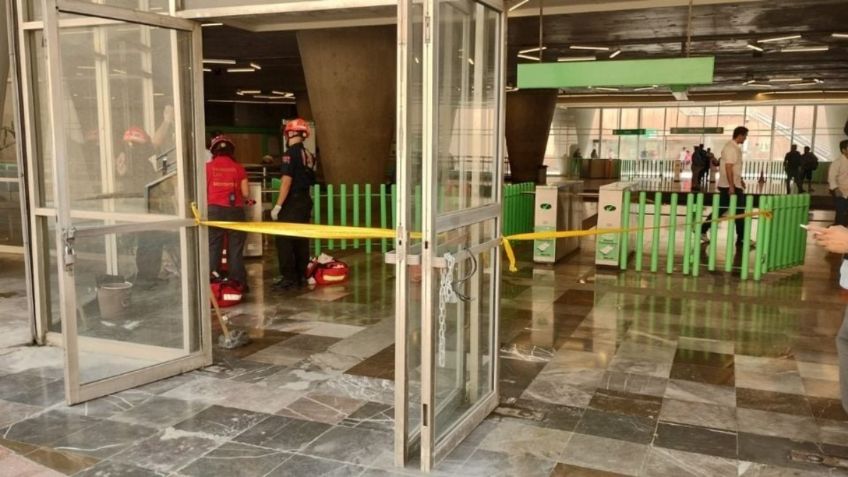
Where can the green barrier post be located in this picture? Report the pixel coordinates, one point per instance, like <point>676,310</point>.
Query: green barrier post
<point>384,219</point>
<point>640,232</point>
<point>713,247</point>
<point>687,234</point>
<point>730,252</point>
<point>368,208</point>
<point>746,238</point>
<point>761,240</point>
<point>672,234</point>
<point>356,212</point>
<point>655,241</point>
<point>331,214</point>
<point>625,223</point>
<point>316,199</point>
<point>696,247</point>
<point>343,200</point>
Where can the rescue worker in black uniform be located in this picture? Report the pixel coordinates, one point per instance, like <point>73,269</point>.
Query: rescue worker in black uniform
<point>294,205</point>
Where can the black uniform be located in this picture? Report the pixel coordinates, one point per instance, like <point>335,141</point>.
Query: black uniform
<point>293,253</point>
<point>792,166</point>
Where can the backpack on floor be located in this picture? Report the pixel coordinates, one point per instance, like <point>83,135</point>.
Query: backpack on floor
<point>326,270</point>
<point>227,292</point>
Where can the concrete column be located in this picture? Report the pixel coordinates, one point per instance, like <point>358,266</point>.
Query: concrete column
<point>528,124</point>
<point>304,107</point>
<point>350,77</point>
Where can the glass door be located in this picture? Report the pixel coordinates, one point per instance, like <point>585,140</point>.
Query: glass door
<point>463,94</point>
<point>125,135</point>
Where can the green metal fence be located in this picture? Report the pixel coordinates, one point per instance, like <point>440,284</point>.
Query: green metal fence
<point>766,245</point>
<point>518,205</point>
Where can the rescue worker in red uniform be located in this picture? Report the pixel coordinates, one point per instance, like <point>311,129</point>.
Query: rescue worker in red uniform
<point>227,193</point>
<point>294,204</point>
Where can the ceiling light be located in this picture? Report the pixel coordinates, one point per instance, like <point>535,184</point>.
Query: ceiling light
<point>803,49</point>
<point>249,91</point>
<point>531,50</point>
<point>213,61</point>
<point>596,48</point>
<point>647,88</point>
<point>840,35</point>
<point>797,92</point>
<point>213,24</point>
<point>749,82</point>
<point>240,70</point>
<point>600,88</point>
<point>780,38</point>
<point>255,66</point>
<point>281,93</point>
<point>754,47</point>
<point>615,53</point>
<point>522,2</point>
<point>785,80</point>
<point>528,57</point>
<point>576,58</point>
<point>807,83</point>
<point>207,70</point>
<point>471,61</point>
<point>268,96</point>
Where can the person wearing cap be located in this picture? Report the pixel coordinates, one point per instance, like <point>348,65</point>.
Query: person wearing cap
<point>227,193</point>
<point>294,205</point>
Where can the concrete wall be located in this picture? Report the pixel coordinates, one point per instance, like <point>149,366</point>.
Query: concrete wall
<point>528,123</point>
<point>350,77</point>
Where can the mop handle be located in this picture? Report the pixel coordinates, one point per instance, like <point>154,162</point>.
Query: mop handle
<point>218,313</point>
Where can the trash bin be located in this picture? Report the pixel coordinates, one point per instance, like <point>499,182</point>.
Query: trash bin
<point>114,299</point>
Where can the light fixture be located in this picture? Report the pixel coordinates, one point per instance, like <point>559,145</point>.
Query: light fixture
<point>806,83</point>
<point>804,49</point>
<point>248,91</point>
<point>528,57</point>
<point>522,2</point>
<point>218,61</point>
<point>594,48</point>
<point>749,82</point>
<point>531,50</point>
<point>646,88</point>
<point>281,93</point>
<point>615,53</point>
<point>754,47</point>
<point>207,70</point>
<point>240,70</point>
<point>268,96</point>
<point>602,88</point>
<point>471,61</point>
<point>563,59</point>
<point>785,80</point>
<point>780,38</point>
<point>797,92</point>
<point>213,24</point>
<point>840,35</point>
<point>255,66</point>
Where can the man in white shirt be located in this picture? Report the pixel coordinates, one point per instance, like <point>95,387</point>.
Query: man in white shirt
<point>730,182</point>
<point>837,180</point>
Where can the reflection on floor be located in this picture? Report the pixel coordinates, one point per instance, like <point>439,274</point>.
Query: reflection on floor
<point>602,374</point>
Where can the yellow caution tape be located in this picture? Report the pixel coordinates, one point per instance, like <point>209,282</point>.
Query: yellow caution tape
<point>339,232</point>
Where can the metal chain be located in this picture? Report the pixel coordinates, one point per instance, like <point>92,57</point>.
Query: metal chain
<point>446,295</point>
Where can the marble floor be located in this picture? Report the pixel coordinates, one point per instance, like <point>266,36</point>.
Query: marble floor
<point>602,374</point>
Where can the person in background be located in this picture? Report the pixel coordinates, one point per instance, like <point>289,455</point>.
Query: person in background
<point>294,205</point>
<point>837,181</point>
<point>792,166</point>
<point>227,193</point>
<point>809,163</point>
<point>594,154</point>
<point>730,182</point>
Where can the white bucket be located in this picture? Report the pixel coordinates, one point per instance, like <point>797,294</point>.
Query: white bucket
<point>114,299</point>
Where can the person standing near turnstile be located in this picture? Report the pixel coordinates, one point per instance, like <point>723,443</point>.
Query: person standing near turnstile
<point>294,205</point>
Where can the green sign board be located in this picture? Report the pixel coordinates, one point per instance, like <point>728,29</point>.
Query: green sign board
<point>697,130</point>
<point>626,73</point>
<point>629,132</point>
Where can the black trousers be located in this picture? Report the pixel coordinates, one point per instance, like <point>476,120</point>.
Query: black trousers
<point>724,204</point>
<point>796,175</point>
<point>841,205</point>
<point>235,243</point>
<point>293,253</point>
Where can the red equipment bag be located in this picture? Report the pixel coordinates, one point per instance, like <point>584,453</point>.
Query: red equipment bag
<point>329,273</point>
<point>227,293</point>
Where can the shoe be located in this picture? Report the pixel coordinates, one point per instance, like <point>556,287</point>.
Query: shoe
<point>285,284</point>
<point>705,238</point>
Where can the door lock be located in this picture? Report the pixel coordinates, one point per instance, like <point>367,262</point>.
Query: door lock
<point>69,256</point>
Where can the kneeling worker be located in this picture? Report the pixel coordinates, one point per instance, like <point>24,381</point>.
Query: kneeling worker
<point>294,205</point>
<point>226,193</point>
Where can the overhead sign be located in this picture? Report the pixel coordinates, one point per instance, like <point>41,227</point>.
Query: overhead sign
<point>626,73</point>
<point>697,130</point>
<point>629,132</point>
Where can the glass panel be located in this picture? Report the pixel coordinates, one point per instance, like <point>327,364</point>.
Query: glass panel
<point>131,303</point>
<point>651,145</point>
<point>830,120</point>
<point>11,233</point>
<point>609,141</point>
<point>802,133</point>
<point>681,146</point>
<point>782,132</point>
<point>467,105</point>
<point>158,6</point>
<point>43,159</point>
<point>49,270</point>
<point>758,120</point>
<point>629,145</point>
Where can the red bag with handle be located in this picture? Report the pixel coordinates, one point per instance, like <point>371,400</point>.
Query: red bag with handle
<point>227,292</point>
<point>326,270</point>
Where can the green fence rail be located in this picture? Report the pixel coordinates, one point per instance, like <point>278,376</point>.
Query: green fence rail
<point>364,205</point>
<point>766,245</point>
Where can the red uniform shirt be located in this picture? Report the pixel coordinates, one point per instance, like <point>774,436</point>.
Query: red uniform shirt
<point>223,177</point>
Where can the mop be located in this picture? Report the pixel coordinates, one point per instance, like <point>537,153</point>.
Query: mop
<point>229,339</point>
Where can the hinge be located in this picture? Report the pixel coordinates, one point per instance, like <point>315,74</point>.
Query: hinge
<point>427,29</point>
<point>69,256</point>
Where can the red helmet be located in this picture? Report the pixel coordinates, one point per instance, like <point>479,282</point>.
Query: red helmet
<point>136,135</point>
<point>220,140</point>
<point>297,126</point>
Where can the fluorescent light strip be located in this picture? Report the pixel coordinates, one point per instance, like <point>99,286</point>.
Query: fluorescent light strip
<point>615,53</point>
<point>804,49</point>
<point>213,24</point>
<point>840,35</point>
<point>249,91</point>
<point>518,5</point>
<point>606,89</point>
<point>754,47</point>
<point>268,96</point>
<point>785,80</point>
<point>245,101</point>
<point>255,66</point>
<point>563,59</point>
<point>528,57</point>
<point>207,70</point>
<point>214,61</point>
<point>808,83</point>
<point>240,70</point>
<point>281,93</point>
<point>780,38</point>
<point>531,50</point>
<point>647,88</point>
<point>796,92</point>
<point>594,48</point>
<point>749,82</point>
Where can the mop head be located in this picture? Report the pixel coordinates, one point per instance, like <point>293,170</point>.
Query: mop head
<point>236,339</point>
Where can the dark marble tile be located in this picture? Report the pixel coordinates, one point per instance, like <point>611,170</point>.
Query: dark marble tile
<point>553,416</point>
<point>300,466</point>
<point>65,462</point>
<point>115,469</point>
<point>776,451</point>
<point>321,408</point>
<point>617,456</point>
<point>11,384</point>
<point>47,428</point>
<point>700,440</point>
<point>355,446</point>
<point>566,470</point>
<point>577,297</point>
<point>703,358</point>
<point>48,394</point>
<point>311,343</point>
<point>626,403</point>
<point>221,421</point>
<point>516,375</point>
<point>674,463</point>
<point>484,463</point>
<point>283,433</point>
<point>634,383</point>
<point>241,370</point>
<point>635,429</point>
<point>104,439</point>
<point>824,408</point>
<point>259,340</point>
<point>108,406</point>
<point>233,458</point>
<point>773,402</point>
<point>380,365</point>
<point>160,412</point>
<point>703,374</point>
<point>167,451</point>
<point>372,415</point>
